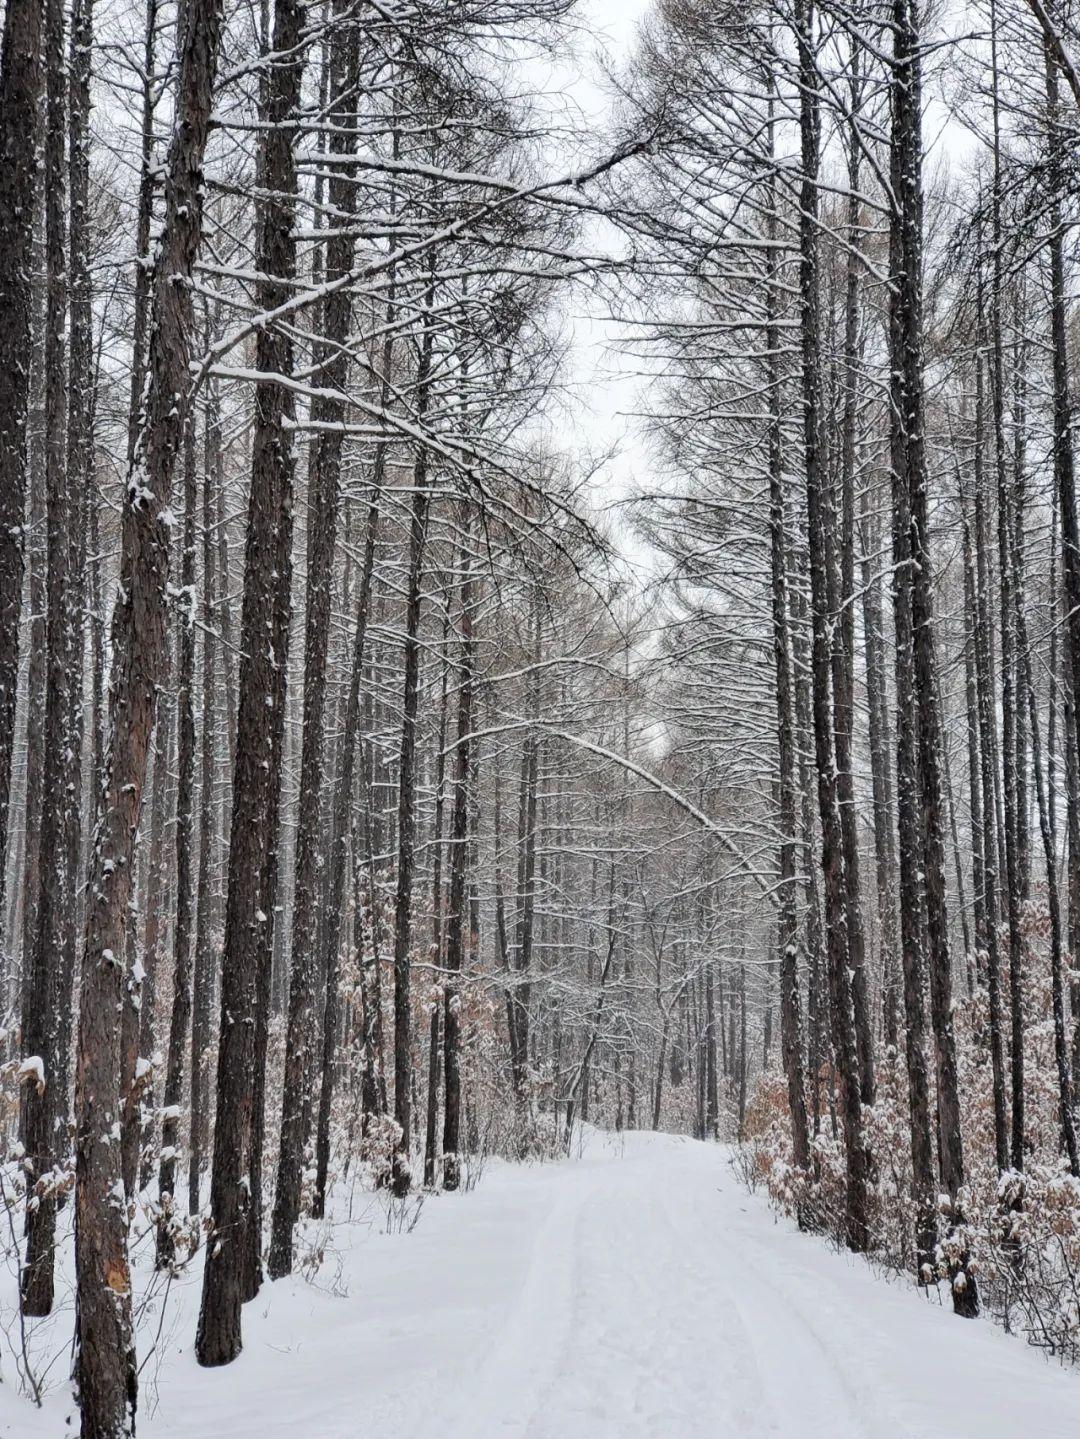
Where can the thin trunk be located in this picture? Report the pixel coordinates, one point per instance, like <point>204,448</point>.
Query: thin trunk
<point>206,900</point>
<point>459,858</point>
<point>832,844</point>
<point>842,606</point>
<point>790,1003</point>
<point>989,769</point>
<point>182,944</point>
<point>339,863</point>
<point>1006,561</point>
<point>437,989</point>
<point>418,524</point>
<point>1065,487</point>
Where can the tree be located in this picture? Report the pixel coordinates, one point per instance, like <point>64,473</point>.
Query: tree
<point>235,1204</point>
<point>106,1358</point>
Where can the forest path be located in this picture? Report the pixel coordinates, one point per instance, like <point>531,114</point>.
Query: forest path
<point>636,1290</point>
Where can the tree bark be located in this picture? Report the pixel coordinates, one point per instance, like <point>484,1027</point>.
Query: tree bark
<point>106,1357</point>
<point>206,900</point>
<point>832,845</point>
<point>418,523</point>
<point>909,456</point>
<point>260,722</point>
<point>21,79</point>
<point>182,945</point>
<point>49,986</point>
<point>459,858</point>
<point>328,415</point>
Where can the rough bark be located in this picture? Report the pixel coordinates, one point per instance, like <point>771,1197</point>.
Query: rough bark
<point>790,1003</point>
<point>206,900</point>
<point>182,946</point>
<point>324,505</point>
<point>228,1276</point>
<point>21,81</point>
<point>832,844</point>
<point>406,838</point>
<point>909,452</point>
<point>106,1358</point>
<point>49,984</point>
<point>458,900</point>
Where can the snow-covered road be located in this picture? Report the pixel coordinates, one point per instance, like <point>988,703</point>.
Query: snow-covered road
<point>636,1291</point>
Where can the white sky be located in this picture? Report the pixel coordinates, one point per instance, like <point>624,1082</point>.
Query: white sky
<point>602,390</point>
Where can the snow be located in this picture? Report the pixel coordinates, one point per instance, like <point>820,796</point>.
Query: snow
<point>33,1067</point>
<point>637,1290</point>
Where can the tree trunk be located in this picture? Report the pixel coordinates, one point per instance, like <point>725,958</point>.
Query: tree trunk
<point>832,846</point>
<point>909,457</point>
<point>182,946</point>
<point>49,986</point>
<point>260,721</point>
<point>791,1042</point>
<point>206,900</point>
<point>21,75</point>
<point>324,505</point>
<point>106,1357</point>
<point>459,857</point>
<point>418,522</point>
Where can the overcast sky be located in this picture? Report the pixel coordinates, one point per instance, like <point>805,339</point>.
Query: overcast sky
<point>602,390</point>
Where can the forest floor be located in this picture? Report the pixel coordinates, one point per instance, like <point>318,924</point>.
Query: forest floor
<point>635,1290</point>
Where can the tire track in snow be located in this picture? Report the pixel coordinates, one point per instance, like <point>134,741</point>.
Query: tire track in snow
<point>497,1402</point>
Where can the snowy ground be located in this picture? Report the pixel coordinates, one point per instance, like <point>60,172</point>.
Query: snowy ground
<point>636,1291</point>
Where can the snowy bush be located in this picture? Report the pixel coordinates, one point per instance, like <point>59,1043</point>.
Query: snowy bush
<point>1019,1232</point>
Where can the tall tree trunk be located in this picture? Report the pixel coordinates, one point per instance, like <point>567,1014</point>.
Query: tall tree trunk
<point>21,76</point>
<point>139,1019</point>
<point>106,1358</point>
<point>712,1091</point>
<point>435,1026</point>
<point>1006,561</point>
<point>975,794</point>
<point>832,845</point>
<point>905,331</point>
<point>144,219</point>
<point>260,722</point>
<point>406,838</point>
<point>1065,486</point>
<point>842,605</point>
<point>328,415</point>
<point>182,945</point>
<point>790,1005</point>
<point>206,900</point>
<point>49,986</point>
<point>989,768</point>
<point>343,798</point>
<point>880,738</point>
<point>520,953</point>
<point>459,858</point>
<point>36,663</point>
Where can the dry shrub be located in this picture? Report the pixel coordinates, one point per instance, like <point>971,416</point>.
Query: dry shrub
<point>1020,1232</point>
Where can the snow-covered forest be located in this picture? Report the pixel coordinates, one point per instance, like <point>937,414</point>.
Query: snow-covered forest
<point>539,718</point>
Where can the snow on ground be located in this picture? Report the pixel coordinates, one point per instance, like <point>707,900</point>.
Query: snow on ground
<point>637,1290</point>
